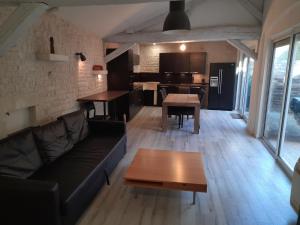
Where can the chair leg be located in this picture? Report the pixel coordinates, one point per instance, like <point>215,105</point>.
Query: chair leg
<point>179,121</point>
<point>187,117</point>
<point>298,221</point>
<point>182,120</point>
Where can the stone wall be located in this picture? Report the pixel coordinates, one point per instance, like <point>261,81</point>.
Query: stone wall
<point>48,89</point>
<point>216,52</point>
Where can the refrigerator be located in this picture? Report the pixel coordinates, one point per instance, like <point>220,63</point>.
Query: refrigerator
<point>221,86</point>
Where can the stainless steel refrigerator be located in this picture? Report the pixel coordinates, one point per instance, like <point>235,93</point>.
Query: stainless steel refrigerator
<point>221,86</point>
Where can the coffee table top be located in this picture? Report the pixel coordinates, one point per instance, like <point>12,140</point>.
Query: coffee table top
<point>169,169</point>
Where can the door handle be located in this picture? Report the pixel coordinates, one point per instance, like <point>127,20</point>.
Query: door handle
<point>221,81</point>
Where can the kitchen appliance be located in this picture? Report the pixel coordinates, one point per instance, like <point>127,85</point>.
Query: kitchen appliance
<point>221,86</point>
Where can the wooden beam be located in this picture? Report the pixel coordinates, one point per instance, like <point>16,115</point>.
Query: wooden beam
<point>222,33</point>
<point>243,48</point>
<point>159,19</point>
<point>18,22</point>
<point>118,51</point>
<point>77,2</point>
<point>252,9</point>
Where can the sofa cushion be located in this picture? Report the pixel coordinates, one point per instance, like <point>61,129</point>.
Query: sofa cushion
<point>80,171</point>
<point>76,125</point>
<point>19,156</point>
<point>52,140</point>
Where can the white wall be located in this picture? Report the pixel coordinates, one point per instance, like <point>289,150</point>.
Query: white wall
<point>47,89</point>
<point>281,17</point>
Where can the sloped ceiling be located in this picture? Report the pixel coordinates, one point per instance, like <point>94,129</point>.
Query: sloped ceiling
<point>111,19</point>
<point>106,20</point>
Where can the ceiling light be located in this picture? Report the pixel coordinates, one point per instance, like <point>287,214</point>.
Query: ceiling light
<point>154,43</point>
<point>182,47</point>
<point>177,20</point>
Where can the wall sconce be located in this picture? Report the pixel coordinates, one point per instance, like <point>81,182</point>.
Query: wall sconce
<point>81,56</point>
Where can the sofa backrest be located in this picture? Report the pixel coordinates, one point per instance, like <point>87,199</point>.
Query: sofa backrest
<point>76,125</point>
<point>19,156</point>
<point>52,140</point>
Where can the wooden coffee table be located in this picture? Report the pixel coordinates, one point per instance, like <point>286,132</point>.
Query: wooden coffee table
<point>162,169</point>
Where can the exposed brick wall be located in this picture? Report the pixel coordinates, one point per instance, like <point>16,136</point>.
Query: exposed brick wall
<point>51,87</point>
<point>216,52</point>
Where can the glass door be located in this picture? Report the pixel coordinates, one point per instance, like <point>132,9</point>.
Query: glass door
<point>245,86</point>
<point>248,88</point>
<point>290,149</point>
<point>278,78</point>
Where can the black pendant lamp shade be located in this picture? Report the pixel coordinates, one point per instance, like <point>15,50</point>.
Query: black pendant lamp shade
<point>177,21</point>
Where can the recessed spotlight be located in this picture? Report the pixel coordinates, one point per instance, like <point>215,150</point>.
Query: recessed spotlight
<point>182,47</point>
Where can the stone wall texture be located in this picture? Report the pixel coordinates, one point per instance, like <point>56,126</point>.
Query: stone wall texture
<point>216,52</point>
<point>50,88</point>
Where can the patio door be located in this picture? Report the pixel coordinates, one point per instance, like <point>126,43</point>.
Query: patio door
<point>290,149</point>
<point>245,86</point>
<point>273,119</point>
<point>282,121</point>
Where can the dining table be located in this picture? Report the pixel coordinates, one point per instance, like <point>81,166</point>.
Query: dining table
<point>181,100</point>
<point>104,97</point>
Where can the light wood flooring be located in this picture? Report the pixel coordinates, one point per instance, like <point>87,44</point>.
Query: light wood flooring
<point>245,185</point>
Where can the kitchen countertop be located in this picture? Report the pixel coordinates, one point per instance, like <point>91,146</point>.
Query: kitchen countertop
<point>190,85</point>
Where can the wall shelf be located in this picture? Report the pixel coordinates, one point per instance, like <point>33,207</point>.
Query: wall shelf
<point>52,57</point>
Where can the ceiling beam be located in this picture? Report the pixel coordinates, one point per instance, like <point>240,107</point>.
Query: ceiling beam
<point>221,33</point>
<point>243,48</point>
<point>159,19</point>
<point>78,2</point>
<point>119,51</point>
<point>18,22</point>
<point>252,9</point>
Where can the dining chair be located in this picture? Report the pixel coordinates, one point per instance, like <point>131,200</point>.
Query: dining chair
<point>172,110</point>
<point>191,110</point>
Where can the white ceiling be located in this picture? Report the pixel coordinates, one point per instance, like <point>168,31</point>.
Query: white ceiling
<point>106,20</point>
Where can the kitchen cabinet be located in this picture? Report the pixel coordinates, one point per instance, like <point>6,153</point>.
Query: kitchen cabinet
<point>182,62</point>
<point>119,71</point>
<point>198,62</point>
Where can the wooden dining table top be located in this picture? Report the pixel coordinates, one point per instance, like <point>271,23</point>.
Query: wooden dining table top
<point>182,100</point>
<point>105,96</point>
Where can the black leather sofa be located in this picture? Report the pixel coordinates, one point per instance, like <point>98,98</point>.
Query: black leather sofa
<point>50,174</point>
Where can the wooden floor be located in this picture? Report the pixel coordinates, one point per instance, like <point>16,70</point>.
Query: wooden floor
<point>245,185</point>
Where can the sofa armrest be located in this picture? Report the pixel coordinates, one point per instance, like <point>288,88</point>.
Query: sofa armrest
<point>107,127</point>
<point>29,202</point>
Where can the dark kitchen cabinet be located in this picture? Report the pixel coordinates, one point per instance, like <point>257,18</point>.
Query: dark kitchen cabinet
<point>182,62</point>
<point>120,77</point>
<point>166,62</point>
<point>148,97</point>
<point>119,71</point>
<point>198,62</point>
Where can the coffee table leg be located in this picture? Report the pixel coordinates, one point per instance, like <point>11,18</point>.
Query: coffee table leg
<point>194,198</point>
